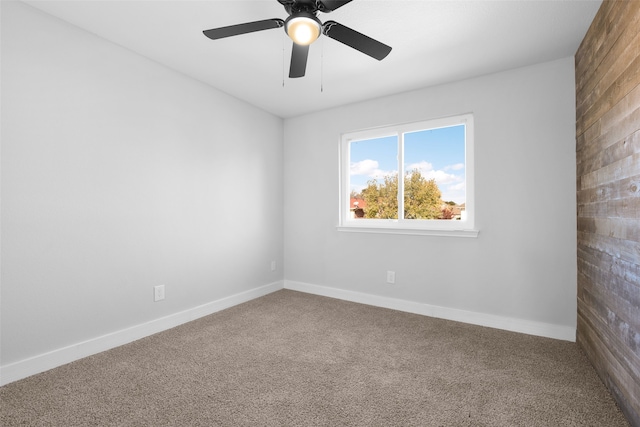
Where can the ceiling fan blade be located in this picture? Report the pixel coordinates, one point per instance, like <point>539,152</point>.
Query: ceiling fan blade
<point>331,5</point>
<point>356,40</point>
<point>249,27</point>
<point>298,61</point>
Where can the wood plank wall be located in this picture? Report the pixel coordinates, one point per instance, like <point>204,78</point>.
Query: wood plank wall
<point>608,198</point>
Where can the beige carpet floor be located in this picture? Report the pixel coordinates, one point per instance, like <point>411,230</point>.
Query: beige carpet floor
<point>293,359</point>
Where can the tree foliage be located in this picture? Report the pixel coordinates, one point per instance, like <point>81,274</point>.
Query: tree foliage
<point>381,198</point>
<point>422,197</point>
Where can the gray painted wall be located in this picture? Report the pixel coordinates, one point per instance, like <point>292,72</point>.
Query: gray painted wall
<point>118,175</point>
<point>523,263</point>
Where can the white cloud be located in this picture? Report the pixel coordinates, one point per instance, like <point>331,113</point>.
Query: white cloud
<point>423,167</point>
<point>426,170</point>
<point>456,167</point>
<point>461,186</point>
<point>442,178</point>
<point>357,188</point>
<point>363,167</point>
<point>368,168</point>
<point>455,192</point>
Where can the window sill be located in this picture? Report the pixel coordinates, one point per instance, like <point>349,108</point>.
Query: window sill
<point>410,231</point>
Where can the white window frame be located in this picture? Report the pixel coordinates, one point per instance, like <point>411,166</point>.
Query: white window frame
<point>462,228</point>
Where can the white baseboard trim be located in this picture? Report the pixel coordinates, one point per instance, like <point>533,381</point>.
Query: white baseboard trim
<point>529,327</point>
<point>43,362</point>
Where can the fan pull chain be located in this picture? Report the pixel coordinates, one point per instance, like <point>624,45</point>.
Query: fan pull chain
<point>322,66</point>
<point>283,61</point>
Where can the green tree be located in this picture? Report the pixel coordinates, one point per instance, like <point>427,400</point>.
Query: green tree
<point>382,198</point>
<point>422,197</point>
<point>421,201</point>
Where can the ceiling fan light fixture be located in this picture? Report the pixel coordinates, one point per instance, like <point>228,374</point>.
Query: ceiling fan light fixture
<point>303,28</point>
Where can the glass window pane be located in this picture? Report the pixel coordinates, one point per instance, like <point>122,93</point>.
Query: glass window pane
<point>434,173</point>
<point>373,178</point>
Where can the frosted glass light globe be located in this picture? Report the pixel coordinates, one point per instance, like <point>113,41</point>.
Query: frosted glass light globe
<point>303,30</point>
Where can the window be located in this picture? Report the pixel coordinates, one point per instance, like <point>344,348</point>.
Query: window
<point>413,178</point>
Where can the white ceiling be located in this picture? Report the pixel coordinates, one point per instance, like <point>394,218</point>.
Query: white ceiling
<point>433,42</point>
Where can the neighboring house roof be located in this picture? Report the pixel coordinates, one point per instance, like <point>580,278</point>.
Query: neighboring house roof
<point>357,203</point>
<point>456,210</point>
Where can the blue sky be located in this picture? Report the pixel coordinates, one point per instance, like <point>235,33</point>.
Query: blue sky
<point>436,153</point>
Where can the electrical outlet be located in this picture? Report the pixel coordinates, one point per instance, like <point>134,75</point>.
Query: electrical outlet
<point>158,293</point>
<point>273,266</point>
<point>391,277</point>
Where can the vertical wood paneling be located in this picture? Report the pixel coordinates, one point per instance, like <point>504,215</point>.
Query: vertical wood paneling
<point>608,198</point>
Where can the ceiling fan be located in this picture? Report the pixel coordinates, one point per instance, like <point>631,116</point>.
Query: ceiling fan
<point>303,27</point>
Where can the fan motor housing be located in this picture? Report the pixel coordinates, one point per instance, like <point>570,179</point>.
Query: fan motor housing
<point>300,6</point>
